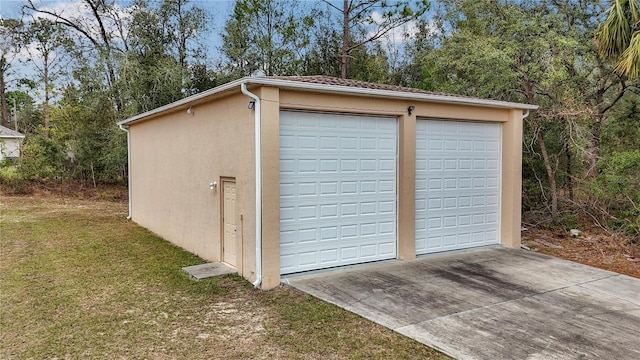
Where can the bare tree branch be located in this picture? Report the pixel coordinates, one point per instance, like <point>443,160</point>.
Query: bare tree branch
<point>619,96</point>
<point>330,4</point>
<point>59,19</point>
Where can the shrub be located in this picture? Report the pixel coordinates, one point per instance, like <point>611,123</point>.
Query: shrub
<point>11,182</point>
<point>617,190</point>
<point>41,158</point>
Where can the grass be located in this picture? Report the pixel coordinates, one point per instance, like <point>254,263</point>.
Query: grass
<point>77,280</point>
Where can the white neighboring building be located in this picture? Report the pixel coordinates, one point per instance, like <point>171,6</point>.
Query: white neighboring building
<point>9,143</point>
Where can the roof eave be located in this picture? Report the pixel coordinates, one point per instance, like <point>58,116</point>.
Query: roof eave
<point>183,102</point>
<point>391,94</point>
<point>300,85</point>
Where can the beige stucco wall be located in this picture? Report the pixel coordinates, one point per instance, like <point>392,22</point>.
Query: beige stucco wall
<point>174,158</point>
<point>270,110</point>
<point>511,204</point>
<point>407,186</point>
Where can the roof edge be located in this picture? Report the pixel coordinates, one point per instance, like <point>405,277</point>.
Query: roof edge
<point>392,94</point>
<point>10,133</point>
<point>182,102</point>
<point>301,85</point>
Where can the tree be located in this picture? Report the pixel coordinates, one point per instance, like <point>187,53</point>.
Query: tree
<point>538,52</point>
<point>25,115</point>
<point>98,26</point>
<point>149,77</point>
<point>383,60</point>
<point>201,79</point>
<point>267,36</point>
<point>9,48</point>
<point>92,148</point>
<point>157,69</point>
<point>182,24</point>
<point>379,17</point>
<point>126,58</point>
<point>598,87</point>
<point>370,63</point>
<point>321,58</point>
<point>618,37</point>
<point>50,42</point>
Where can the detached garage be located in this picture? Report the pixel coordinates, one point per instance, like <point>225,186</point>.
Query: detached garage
<point>279,175</point>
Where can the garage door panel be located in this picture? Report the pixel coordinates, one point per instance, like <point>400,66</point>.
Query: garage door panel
<point>458,168</point>
<point>337,190</point>
<point>347,235</point>
<point>358,191</point>
<point>322,254</point>
<point>311,165</point>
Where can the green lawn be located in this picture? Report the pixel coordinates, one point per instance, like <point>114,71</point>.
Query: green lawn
<point>77,280</point>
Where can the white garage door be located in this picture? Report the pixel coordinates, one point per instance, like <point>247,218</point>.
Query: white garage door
<point>458,167</point>
<point>337,190</point>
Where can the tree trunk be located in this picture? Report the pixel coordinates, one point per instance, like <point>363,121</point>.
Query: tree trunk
<point>93,176</point>
<point>596,129</point>
<point>539,134</point>
<point>6,121</point>
<point>111,73</point>
<point>569,165</point>
<point>269,70</point>
<point>345,39</point>
<point>594,153</point>
<point>553,188</point>
<point>47,112</point>
<point>182,46</point>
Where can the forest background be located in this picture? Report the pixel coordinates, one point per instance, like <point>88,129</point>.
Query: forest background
<point>66,78</point>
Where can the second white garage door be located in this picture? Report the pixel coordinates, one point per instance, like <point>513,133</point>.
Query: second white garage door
<point>458,166</point>
<point>337,190</point>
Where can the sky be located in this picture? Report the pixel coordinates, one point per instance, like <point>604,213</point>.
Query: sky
<point>11,8</point>
<point>218,11</point>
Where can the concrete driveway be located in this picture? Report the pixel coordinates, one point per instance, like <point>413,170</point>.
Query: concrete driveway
<point>495,303</point>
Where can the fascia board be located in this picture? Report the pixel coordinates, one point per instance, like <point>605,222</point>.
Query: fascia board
<point>184,102</point>
<point>306,86</point>
<point>453,99</point>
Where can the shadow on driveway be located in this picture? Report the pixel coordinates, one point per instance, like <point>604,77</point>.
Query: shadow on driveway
<point>496,303</point>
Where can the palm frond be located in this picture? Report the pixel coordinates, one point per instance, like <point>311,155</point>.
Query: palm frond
<point>613,35</point>
<point>629,63</point>
<point>634,9</point>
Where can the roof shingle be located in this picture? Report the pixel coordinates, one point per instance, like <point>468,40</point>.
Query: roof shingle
<point>329,80</point>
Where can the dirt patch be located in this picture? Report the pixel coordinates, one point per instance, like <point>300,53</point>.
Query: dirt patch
<point>39,206</point>
<point>610,252</point>
<point>67,189</point>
